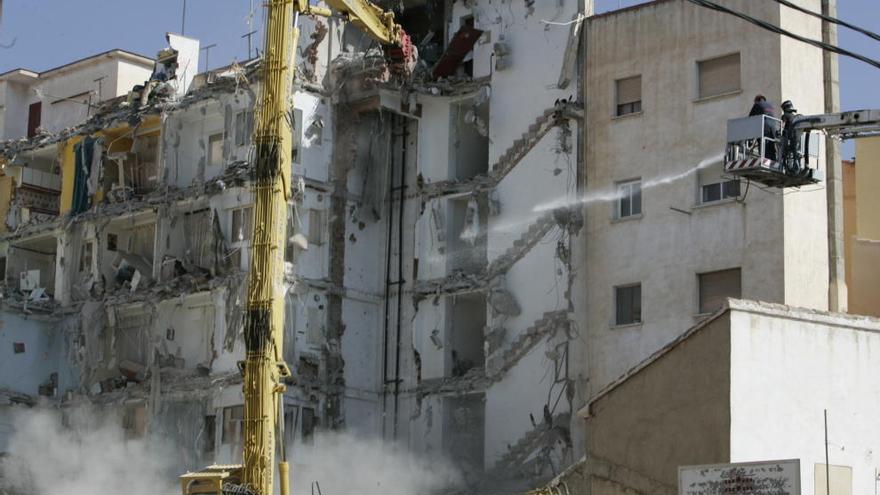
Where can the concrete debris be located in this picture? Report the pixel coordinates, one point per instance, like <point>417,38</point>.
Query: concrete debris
<point>503,302</point>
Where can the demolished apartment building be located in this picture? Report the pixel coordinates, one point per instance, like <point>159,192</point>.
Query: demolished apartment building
<point>428,300</point>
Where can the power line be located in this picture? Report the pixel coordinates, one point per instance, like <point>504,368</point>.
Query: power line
<point>776,29</point>
<point>830,19</point>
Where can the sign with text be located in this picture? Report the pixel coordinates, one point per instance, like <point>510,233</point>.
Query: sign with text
<point>747,478</point>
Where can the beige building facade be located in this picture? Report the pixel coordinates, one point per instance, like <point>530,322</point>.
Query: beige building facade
<point>667,234</point>
<point>862,228</point>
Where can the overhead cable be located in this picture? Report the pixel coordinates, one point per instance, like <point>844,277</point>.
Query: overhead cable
<point>776,29</point>
<point>830,19</point>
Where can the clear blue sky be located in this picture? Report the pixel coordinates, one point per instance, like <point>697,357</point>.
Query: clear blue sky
<point>48,33</point>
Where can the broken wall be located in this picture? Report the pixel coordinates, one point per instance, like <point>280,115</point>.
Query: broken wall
<point>530,279</point>
<point>31,352</point>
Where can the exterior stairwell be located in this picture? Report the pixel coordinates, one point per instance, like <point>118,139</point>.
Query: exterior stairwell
<point>543,435</point>
<point>502,360</point>
<point>552,117</point>
<point>521,246</point>
<point>460,283</point>
<point>521,147</point>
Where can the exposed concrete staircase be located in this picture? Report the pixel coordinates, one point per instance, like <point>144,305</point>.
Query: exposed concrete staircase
<point>501,361</point>
<point>552,117</point>
<point>521,246</point>
<point>463,282</point>
<point>528,140</point>
<point>517,455</point>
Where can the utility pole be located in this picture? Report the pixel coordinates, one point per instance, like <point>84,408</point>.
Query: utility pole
<point>827,468</point>
<point>207,50</point>
<point>837,292</point>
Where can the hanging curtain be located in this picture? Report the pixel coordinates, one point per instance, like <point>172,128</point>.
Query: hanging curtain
<point>84,151</point>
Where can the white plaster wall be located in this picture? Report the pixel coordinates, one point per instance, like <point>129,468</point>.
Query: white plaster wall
<point>45,353</point>
<point>316,154</point>
<point>192,320</point>
<point>431,315</point>
<point>666,249</point>
<point>510,402</point>
<point>14,101</point>
<point>128,75</point>
<point>787,369</point>
<point>185,139</point>
<point>519,95</point>
<point>361,350</point>
<point>434,139</point>
<point>806,226</point>
<point>313,263</point>
<point>59,114</point>
<point>545,175</point>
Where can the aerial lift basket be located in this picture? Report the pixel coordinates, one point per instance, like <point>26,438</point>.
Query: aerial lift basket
<point>756,150</point>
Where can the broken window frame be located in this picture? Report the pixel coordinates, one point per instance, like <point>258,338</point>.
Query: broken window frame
<point>241,224</point>
<point>112,241</point>
<point>233,425</point>
<point>87,257</point>
<point>244,127</point>
<point>241,220</point>
<point>215,156</point>
<point>629,199</point>
<point>308,425</point>
<point>209,438</point>
<point>628,304</point>
<point>296,149</point>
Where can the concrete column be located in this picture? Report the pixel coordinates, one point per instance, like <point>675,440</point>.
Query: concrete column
<point>837,297</point>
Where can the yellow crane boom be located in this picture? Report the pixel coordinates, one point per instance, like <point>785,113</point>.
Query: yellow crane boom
<point>264,368</point>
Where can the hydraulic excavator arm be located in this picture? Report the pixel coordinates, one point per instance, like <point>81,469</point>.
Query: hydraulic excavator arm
<point>377,23</point>
<point>263,369</point>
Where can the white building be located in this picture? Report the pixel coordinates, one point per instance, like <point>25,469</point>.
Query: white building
<point>67,95</point>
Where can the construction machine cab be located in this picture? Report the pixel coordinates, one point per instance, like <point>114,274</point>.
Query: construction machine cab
<point>761,149</point>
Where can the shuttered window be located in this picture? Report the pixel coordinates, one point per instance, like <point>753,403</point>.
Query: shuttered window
<point>720,75</point>
<point>716,286</point>
<point>629,95</point>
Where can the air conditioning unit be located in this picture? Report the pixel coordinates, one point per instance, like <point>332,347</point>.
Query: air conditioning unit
<point>29,280</point>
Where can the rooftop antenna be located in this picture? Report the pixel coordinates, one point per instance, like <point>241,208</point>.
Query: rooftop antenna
<point>207,50</point>
<point>249,36</point>
<point>250,24</point>
<point>183,20</point>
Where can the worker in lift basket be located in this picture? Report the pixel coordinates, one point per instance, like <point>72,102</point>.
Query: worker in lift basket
<point>763,107</point>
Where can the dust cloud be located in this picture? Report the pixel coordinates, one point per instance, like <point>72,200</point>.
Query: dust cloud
<point>342,464</point>
<point>87,453</point>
